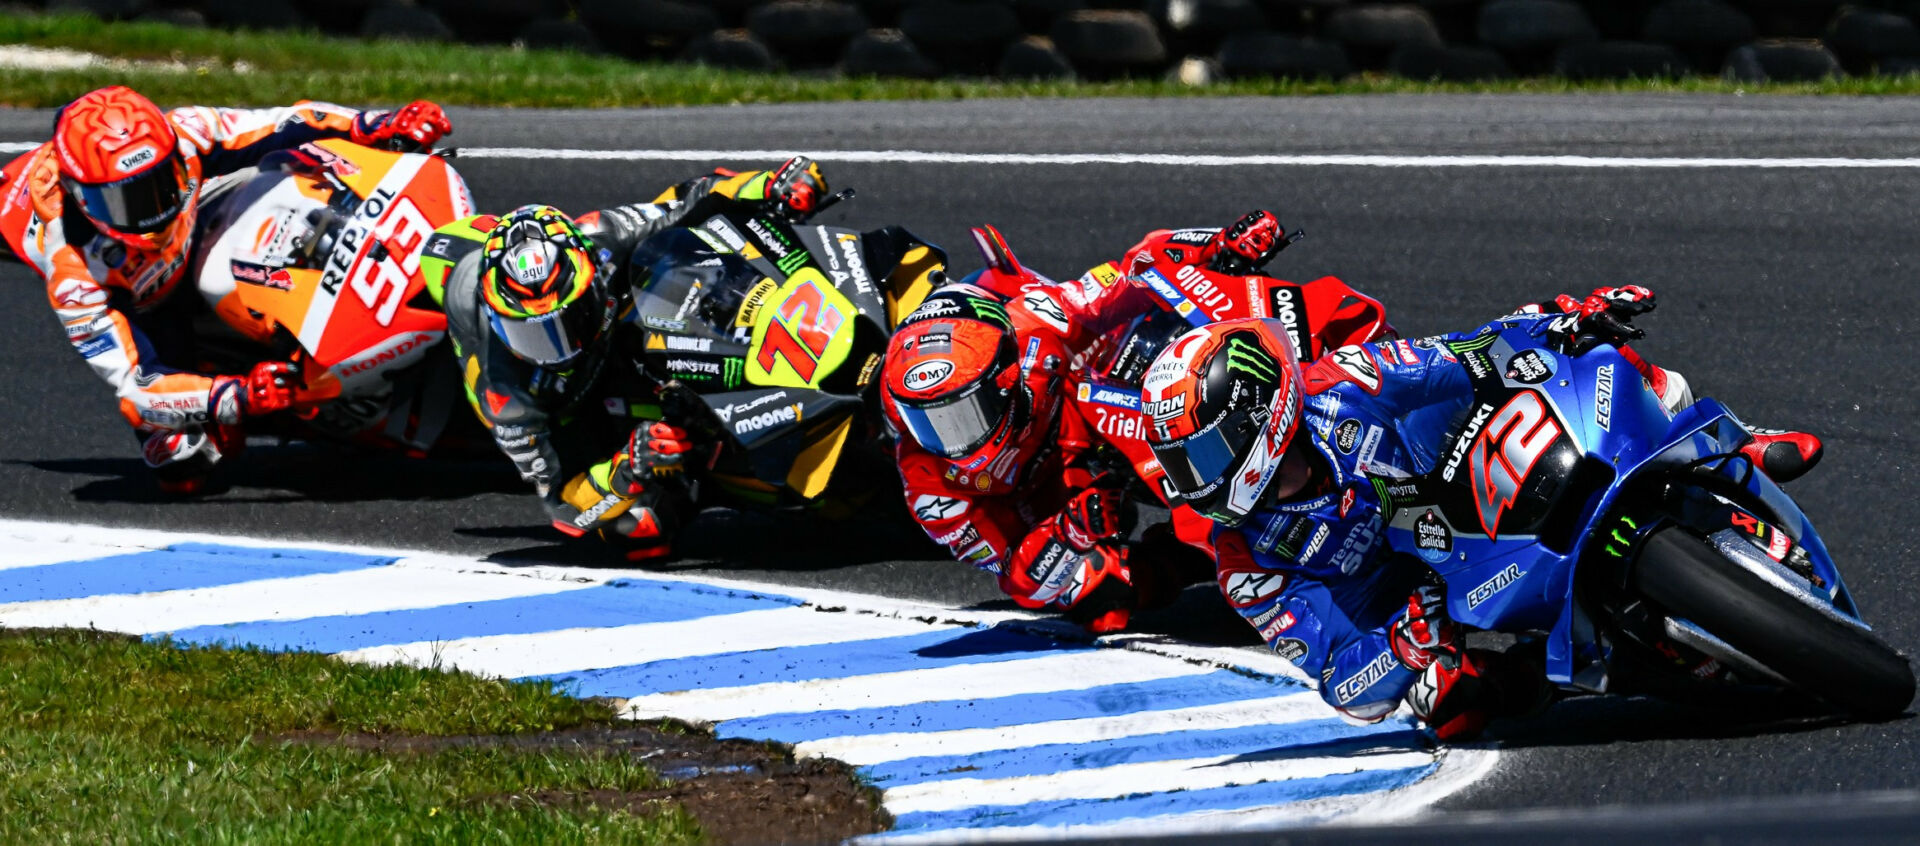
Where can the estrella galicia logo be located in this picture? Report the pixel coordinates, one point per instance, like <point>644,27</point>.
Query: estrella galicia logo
<point>1432,537</point>
<point>1346,436</point>
<point>1530,368</point>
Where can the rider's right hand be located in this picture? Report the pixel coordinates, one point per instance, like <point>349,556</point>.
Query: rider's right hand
<point>1425,634</point>
<point>267,388</point>
<point>798,186</point>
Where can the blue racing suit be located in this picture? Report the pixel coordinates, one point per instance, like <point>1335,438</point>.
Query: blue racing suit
<point>1314,575</point>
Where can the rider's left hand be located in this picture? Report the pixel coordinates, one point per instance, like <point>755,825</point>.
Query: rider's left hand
<point>1604,317</point>
<point>413,127</point>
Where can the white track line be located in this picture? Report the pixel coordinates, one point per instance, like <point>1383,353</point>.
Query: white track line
<point>1158,159</point>
<point>861,750</point>
<point>1125,779</point>
<point>1177,159</point>
<point>366,591</point>
<point>574,650</point>
<point>1049,674</point>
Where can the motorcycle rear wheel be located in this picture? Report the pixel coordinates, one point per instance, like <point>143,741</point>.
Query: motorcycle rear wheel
<point>1838,663</point>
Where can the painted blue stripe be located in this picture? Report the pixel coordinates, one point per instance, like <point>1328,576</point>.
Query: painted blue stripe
<point>1263,742</point>
<point>1160,694</point>
<point>182,566</point>
<point>941,648</point>
<point>1233,797</point>
<point>620,603</point>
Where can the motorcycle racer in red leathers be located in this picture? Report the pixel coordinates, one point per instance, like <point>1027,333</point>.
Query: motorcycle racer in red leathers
<point>104,212</point>
<point>1003,468</point>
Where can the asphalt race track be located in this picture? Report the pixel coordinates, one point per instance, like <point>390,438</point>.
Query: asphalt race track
<point>1784,291</point>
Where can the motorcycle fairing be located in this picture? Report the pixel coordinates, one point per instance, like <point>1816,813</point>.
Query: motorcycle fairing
<point>1620,433</point>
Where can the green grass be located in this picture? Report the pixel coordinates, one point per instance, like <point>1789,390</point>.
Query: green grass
<point>283,67</point>
<point>107,739</point>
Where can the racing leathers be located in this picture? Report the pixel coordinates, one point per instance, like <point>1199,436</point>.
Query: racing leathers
<point>603,465</point>
<point>116,302</point>
<point>1313,574</point>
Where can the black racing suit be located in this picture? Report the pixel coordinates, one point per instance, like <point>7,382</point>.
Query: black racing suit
<point>568,433</point>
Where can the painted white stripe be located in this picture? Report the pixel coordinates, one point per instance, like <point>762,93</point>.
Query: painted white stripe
<point>576,649</point>
<point>861,750</point>
<point>1127,779</point>
<point>1178,159</point>
<point>1160,159</point>
<point>366,591</point>
<point>17,552</point>
<point>320,308</point>
<point>1053,673</point>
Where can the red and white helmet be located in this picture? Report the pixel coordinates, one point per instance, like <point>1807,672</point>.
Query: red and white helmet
<point>120,159</point>
<point>952,375</point>
<point>1224,403</point>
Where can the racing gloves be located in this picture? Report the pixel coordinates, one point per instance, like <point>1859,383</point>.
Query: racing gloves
<point>655,451</point>
<point>1250,243</point>
<point>1076,562</point>
<point>1604,317</point>
<point>267,388</point>
<point>412,128</point>
<point>1425,635</point>
<point>798,186</point>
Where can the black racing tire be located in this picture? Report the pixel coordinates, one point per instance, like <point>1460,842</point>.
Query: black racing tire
<point>1862,38</point>
<point>1839,663</point>
<point>556,34</point>
<point>1110,42</point>
<point>647,29</point>
<point>1196,26</point>
<point>1533,25</point>
<point>807,33</point>
<point>964,38</point>
<point>1269,54</point>
<point>1372,34</point>
<point>1618,60</point>
<point>886,52</point>
<point>1698,23</point>
<point>1033,57</point>
<point>409,23</point>
<point>736,49</point>
<point>1782,60</point>
<point>1451,63</point>
<point>1382,26</point>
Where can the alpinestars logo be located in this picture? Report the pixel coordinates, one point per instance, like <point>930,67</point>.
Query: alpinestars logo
<point>930,508</point>
<point>1358,363</point>
<point>1247,588</point>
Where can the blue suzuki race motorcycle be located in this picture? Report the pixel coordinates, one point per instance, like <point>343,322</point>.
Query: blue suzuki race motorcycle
<point>1647,549</point>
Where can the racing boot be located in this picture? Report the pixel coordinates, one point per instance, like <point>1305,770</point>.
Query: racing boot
<point>1784,456</point>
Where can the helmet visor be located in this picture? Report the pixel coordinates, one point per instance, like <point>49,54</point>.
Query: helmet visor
<point>552,340</point>
<point>141,204</point>
<point>957,426</point>
<point>1198,462</point>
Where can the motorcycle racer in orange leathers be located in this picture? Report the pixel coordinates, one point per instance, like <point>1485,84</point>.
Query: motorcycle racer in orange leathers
<point>104,213</point>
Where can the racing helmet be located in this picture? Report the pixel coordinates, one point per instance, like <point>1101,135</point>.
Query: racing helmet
<point>952,374</point>
<point>548,298</point>
<point>120,159</point>
<point>1223,403</point>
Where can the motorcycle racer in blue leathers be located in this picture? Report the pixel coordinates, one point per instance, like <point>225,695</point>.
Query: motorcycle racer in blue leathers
<point>1302,469</point>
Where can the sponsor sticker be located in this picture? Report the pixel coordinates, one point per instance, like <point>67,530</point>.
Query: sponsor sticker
<point>927,374</point>
<point>1530,368</point>
<point>931,507</point>
<point>1432,537</point>
<point>1245,589</point>
<point>1492,586</point>
<point>1603,396</point>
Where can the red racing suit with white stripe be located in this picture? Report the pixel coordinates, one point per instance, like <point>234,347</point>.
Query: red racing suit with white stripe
<point>100,288</point>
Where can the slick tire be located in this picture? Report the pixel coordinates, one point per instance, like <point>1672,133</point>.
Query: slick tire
<point>1839,663</point>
